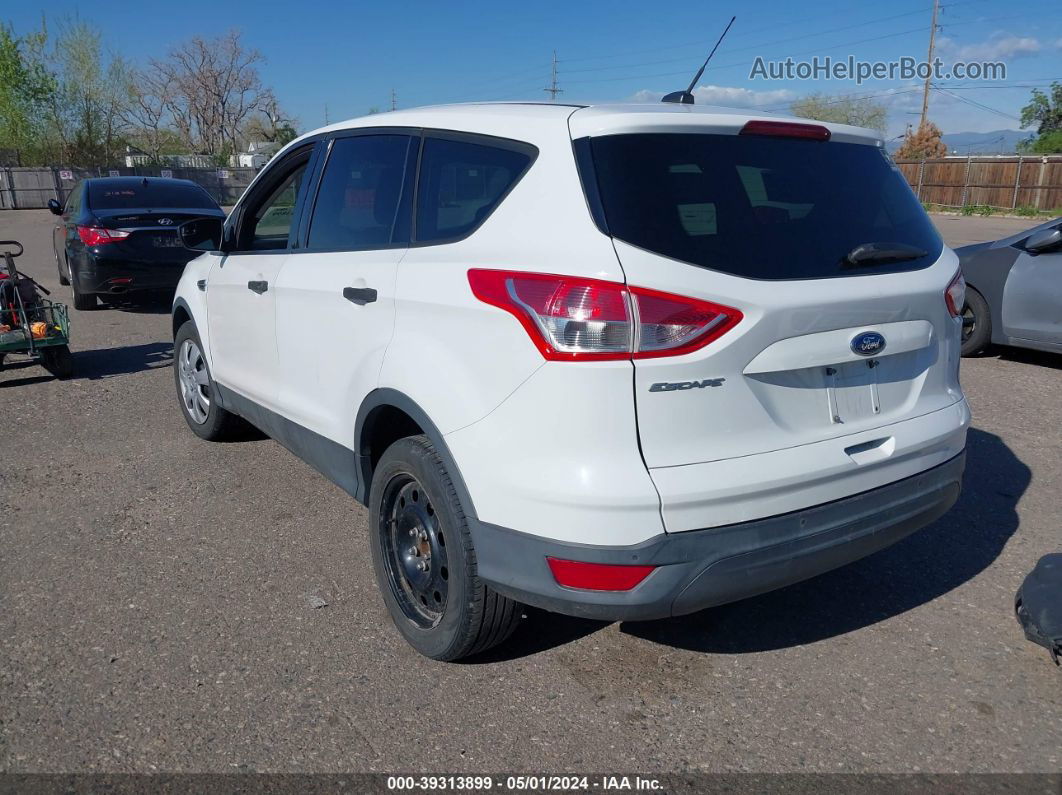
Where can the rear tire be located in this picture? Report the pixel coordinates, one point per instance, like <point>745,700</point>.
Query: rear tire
<point>424,560</point>
<point>82,302</point>
<point>62,279</point>
<point>976,324</point>
<point>58,361</point>
<point>196,390</point>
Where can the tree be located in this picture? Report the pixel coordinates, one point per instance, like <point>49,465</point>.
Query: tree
<point>922,143</point>
<point>146,113</point>
<point>85,111</point>
<point>216,90</point>
<point>25,91</point>
<point>271,124</point>
<point>842,110</point>
<point>1046,144</point>
<point>1044,111</point>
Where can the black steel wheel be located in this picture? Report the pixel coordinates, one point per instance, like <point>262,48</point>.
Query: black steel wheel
<point>424,559</point>
<point>415,551</point>
<point>976,324</point>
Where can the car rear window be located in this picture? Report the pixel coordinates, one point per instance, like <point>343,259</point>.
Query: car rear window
<point>462,182</point>
<point>759,207</point>
<point>153,194</point>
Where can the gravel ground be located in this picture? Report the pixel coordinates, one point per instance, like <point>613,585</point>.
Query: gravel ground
<point>155,609</point>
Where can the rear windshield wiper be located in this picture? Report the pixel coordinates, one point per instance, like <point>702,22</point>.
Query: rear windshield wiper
<point>880,253</point>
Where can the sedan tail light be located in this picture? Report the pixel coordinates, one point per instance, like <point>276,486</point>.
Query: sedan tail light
<point>98,236</point>
<point>575,319</point>
<point>955,295</point>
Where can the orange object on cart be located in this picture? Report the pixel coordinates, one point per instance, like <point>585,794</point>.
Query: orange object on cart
<point>39,330</point>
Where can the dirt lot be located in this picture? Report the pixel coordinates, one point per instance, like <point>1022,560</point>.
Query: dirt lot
<point>155,609</point>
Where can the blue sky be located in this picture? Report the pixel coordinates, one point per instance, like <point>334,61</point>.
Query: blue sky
<point>349,55</point>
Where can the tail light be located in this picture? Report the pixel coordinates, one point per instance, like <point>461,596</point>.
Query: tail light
<point>955,295</point>
<point>575,319</point>
<point>98,236</point>
<point>597,576</point>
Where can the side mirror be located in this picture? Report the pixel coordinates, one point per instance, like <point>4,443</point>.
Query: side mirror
<point>1044,240</point>
<point>202,234</point>
<point>55,207</point>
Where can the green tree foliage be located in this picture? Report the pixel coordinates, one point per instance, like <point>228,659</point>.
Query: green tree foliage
<point>842,110</point>
<point>65,100</point>
<point>1046,144</point>
<point>85,112</point>
<point>26,89</point>
<point>1044,111</point>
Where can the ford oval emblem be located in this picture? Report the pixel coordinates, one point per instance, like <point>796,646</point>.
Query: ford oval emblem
<point>868,343</point>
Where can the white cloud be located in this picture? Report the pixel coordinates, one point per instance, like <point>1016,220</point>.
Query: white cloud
<point>998,47</point>
<point>729,96</point>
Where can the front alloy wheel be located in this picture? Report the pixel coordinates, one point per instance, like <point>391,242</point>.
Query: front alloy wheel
<point>195,382</point>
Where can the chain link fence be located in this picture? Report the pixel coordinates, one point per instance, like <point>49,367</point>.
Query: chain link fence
<point>31,188</point>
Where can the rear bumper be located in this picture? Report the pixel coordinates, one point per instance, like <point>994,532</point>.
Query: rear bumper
<point>107,276</point>
<point>703,568</point>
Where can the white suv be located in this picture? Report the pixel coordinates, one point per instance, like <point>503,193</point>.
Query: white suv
<point>622,362</point>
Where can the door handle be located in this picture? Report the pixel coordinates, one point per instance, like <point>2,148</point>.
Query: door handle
<point>258,287</point>
<point>359,295</point>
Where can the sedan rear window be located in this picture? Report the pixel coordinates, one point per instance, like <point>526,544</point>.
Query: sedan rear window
<point>760,207</point>
<point>147,194</point>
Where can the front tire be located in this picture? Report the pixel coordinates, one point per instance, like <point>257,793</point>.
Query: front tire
<point>196,390</point>
<point>976,324</point>
<point>424,560</point>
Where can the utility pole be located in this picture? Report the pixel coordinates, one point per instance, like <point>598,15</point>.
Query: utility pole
<point>553,90</point>
<point>394,100</point>
<point>326,113</point>
<point>929,63</point>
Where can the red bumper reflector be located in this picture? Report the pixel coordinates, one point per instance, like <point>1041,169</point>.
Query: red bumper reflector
<point>596,576</point>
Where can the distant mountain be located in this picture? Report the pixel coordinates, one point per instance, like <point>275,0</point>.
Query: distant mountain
<point>981,143</point>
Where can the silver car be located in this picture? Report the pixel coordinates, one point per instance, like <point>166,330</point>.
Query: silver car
<point>1014,291</point>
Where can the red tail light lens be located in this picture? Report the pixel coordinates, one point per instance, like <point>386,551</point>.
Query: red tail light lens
<point>669,325</point>
<point>597,576</point>
<point>786,129</point>
<point>577,319</point>
<point>98,236</point>
<point>955,295</point>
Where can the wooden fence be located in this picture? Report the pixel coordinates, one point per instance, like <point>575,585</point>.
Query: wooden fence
<point>1000,182</point>
<point>29,188</point>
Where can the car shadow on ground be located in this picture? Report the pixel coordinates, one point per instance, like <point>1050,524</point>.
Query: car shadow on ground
<point>917,570</point>
<point>111,362</point>
<point>1029,356</point>
<point>96,364</point>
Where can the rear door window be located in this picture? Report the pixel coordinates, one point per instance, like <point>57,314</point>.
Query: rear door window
<point>759,207</point>
<point>363,201</point>
<point>462,182</point>
<point>147,194</point>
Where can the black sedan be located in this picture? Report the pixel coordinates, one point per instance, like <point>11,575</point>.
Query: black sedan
<point>1014,291</point>
<point>117,236</point>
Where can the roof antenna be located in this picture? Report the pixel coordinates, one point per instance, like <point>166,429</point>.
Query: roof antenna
<point>686,97</point>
